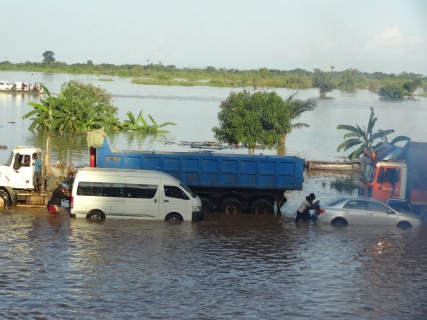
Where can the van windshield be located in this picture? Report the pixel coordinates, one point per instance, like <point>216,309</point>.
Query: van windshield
<point>188,190</point>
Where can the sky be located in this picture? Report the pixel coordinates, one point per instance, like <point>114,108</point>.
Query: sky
<point>387,36</point>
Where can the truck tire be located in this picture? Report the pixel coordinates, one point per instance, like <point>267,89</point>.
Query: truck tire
<point>231,206</point>
<point>261,206</point>
<point>4,199</point>
<point>207,206</point>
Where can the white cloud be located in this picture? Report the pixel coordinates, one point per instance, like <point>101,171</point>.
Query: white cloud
<point>389,37</point>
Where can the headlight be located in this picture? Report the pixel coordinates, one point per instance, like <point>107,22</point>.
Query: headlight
<point>197,208</point>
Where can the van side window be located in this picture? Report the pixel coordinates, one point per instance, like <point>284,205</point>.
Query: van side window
<point>175,192</point>
<point>144,191</point>
<point>96,189</point>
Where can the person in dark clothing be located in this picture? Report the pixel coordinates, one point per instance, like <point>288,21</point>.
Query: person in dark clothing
<point>55,201</point>
<point>306,215</point>
<point>305,206</point>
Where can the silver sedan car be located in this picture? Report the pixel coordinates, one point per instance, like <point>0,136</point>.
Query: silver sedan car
<point>365,211</point>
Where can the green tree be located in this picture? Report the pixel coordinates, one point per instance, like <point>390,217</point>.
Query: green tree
<point>323,81</point>
<point>253,119</point>
<point>48,57</point>
<point>412,85</point>
<point>349,79</point>
<point>392,90</point>
<point>365,138</point>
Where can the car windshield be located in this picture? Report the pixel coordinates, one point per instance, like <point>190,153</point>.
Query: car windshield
<point>368,172</point>
<point>335,201</point>
<point>188,190</point>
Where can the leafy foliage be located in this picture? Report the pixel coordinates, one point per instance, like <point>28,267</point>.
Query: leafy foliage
<point>48,57</point>
<point>140,124</point>
<point>260,119</point>
<point>392,91</point>
<point>323,81</point>
<point>365,138</point>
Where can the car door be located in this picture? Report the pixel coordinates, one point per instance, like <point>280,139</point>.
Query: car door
<point>379,214</point>
<point>142,197</point>
<point>354,211</point>
<point>175,200</point>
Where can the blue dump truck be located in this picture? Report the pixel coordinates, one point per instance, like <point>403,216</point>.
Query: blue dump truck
<point>228,183</point>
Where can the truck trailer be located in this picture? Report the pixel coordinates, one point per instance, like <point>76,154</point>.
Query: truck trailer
<point>228,183</point>
<point>397,176</point>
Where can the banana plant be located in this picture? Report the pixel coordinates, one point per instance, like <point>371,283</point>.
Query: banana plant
<point>140,124</point>
<point>365,138</point>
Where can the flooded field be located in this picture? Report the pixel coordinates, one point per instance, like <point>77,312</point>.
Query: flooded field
<point>225,267</point>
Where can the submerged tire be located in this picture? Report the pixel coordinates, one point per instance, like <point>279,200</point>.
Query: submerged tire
<point>4,199</point>
<point>340,222</point>
<point>231,206</point>
<point>404,225</point>
<point>95,214</point>
<point>261,206</point>
<point>173,217</point>
<point>207,206</point>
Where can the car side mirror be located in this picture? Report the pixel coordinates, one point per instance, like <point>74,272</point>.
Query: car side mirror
<point>390,211</point>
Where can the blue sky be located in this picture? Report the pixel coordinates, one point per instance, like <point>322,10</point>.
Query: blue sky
<point>377,35</point>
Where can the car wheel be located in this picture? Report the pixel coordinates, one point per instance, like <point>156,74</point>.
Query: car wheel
<point>261,206</point>
<point>231,206</point>
<point>339,222</point>
<point>95,214</point>
<point>173,217</point>
<point>4,199</point>
<point>404,225</point>
<point>207,206</point>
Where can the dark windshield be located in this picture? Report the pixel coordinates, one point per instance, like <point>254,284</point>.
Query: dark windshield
<point>368,172</point>
<point>188,190</point>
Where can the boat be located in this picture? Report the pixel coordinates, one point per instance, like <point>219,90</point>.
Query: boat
<point>21,87</point>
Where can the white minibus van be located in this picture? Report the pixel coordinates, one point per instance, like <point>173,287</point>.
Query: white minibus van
<point>129,193</point>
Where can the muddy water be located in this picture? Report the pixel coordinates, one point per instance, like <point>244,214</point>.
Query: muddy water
<point>225,267</point>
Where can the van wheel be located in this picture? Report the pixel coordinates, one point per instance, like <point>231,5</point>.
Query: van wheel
<point>207,206</point>
<point>231,206</point>
<point>95,214</point>
<point>261,206</point>
<point>173,217</point>
<point>4,199</point>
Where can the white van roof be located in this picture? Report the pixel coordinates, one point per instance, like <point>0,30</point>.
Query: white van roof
<point>127,172</point>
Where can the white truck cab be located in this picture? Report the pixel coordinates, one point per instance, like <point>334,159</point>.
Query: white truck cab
<point>17,173</point>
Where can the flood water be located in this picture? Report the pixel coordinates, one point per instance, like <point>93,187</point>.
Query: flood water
<point>226,266</point>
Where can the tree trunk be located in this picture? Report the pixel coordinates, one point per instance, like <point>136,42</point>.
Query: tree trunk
<point>47,157</point>
<point>281,147</point>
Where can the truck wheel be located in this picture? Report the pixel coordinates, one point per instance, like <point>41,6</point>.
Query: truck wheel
<point>261,206</point>
<point>4,199</point>
<point>231,206</point>
<point>95,214</point>
<point>207,206</point>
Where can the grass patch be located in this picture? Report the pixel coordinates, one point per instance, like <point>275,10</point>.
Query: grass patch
<point>346,184</point>
<point>105,79</point>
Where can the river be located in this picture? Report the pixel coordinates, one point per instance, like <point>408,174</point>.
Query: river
<point>226,266</point>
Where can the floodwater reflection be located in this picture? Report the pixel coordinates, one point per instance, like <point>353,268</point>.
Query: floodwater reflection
<point>238,266</point>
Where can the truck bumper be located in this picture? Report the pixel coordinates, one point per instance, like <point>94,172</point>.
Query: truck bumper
<point>197,216</point>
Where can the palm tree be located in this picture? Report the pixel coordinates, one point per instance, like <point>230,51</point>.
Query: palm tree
<point>365,137</point>
<point>295,108</point>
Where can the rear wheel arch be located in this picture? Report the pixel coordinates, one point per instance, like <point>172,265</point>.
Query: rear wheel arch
<point>339,222</point>
<point>95,214</point>
<point>404,225</point>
